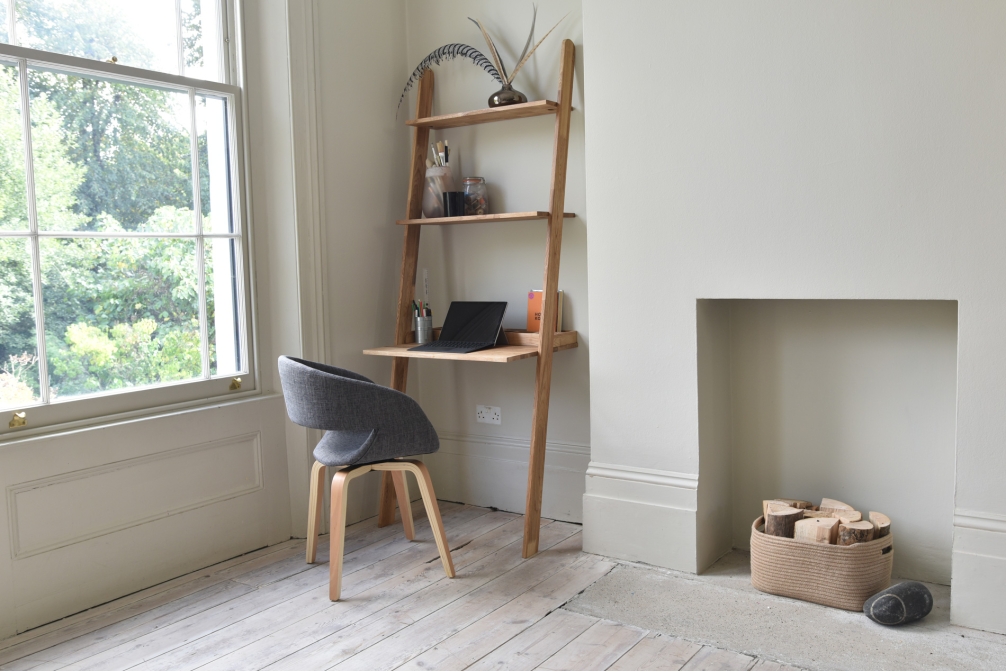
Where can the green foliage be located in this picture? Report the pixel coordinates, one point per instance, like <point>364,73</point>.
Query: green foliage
<point>119,312</point>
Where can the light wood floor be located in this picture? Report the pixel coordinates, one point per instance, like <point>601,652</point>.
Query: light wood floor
<point>270,610</point>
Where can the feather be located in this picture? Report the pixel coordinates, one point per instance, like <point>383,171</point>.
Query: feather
<point>446,53</point>
<point>530,36</point>
<point>492,49</point>
<point>524,60</point>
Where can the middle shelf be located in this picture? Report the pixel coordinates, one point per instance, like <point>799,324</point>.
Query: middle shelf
<point>476,219</point>
<point>524,345</point>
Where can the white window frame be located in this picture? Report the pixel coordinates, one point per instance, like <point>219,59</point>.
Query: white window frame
<point>47,415</point>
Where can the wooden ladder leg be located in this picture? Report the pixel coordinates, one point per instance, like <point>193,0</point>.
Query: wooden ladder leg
<point>550,288</point>
<point>410,259</point>
<point>404,502</point>
<point>314,510</point>
<point>433,513</point>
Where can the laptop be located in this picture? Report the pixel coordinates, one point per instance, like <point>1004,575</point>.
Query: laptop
<point>470,326</point>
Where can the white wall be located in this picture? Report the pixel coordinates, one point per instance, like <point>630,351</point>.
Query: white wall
<point>479,463</point>
<point>363,154</point>
<point>788,150</point>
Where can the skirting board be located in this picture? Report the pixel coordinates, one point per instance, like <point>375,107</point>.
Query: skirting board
<point>644,515</point>
<point>978,589</point>
<point>492,471</point>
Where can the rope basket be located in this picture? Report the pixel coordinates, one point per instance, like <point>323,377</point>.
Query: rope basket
<point>835,576</point>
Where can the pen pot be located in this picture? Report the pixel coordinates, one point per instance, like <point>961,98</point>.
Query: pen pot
<point>424,330</point>
<point>438,180</point>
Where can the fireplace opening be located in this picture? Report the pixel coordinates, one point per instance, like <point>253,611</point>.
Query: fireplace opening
<point>849,399</point>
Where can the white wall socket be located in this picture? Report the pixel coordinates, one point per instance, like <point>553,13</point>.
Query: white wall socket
<point>488,414</point>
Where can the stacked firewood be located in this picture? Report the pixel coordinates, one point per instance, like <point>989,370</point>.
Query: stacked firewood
<point>833,522</point>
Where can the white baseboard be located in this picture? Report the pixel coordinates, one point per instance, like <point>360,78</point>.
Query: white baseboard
<point>492,471</point>
<point>978,586</point>
<point>645,515</point>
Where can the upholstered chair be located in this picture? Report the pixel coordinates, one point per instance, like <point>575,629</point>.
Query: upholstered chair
<point>368,427</point>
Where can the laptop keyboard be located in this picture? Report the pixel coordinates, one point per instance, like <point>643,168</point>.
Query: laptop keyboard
<point>454,344</point>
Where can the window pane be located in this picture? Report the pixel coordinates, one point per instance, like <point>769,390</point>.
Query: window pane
<point>214,164</point>
<point>141,33</point>
<point>110,156</point>
<point>222,313</point>
<point>18,346</point>
<point>119,313</point>
<point>13,202</point>
<point>201,39</point>
<point>4,37</point>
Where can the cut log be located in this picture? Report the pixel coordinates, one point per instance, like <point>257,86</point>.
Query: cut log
<point>834,505</point>
<point>808,513</point>
<point>881,524</point>
<point>854,533</point>
<point>848,516</point>
<point>818,530</point>
<point>775,503</point>
<point>782,522</point>
<point>795,503</point>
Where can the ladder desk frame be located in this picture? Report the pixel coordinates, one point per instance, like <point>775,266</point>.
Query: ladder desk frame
<point>553,248</point>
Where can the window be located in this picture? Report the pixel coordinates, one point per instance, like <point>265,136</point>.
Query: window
<point>122,251</point>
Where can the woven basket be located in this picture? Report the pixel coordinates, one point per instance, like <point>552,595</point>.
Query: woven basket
<point>835,576</point>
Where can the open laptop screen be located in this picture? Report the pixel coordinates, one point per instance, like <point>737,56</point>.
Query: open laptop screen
<point>477,321</point>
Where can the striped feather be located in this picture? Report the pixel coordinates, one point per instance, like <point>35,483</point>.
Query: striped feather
<point>446,53</point>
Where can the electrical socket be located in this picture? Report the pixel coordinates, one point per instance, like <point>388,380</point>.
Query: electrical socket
<point>488,414</point>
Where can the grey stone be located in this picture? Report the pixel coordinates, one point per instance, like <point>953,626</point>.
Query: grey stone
<point>904,603</point>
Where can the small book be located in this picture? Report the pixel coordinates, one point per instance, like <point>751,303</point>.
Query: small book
<point>534,311</point>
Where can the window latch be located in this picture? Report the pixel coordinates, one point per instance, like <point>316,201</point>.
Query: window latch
<point>235,384</point>
<point>19,419</point>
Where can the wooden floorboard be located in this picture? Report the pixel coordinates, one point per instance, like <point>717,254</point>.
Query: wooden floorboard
<point>270,610</point>
<point>657,652</point>
<point>596,648</point>
<point>538,643</point>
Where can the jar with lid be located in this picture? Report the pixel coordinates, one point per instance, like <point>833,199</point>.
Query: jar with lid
<point>476,197</point>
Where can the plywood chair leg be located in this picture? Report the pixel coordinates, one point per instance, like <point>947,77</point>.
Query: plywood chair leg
<point>404,503</point>
<point>337,533</point>
<point>314,510</point>
<point>433,513</point>
<point>386,502</point>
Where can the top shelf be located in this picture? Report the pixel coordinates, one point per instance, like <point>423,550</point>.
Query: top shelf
<point>535,108</point>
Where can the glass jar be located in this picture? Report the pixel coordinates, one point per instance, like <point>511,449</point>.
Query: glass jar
<point>438,180</point>
<point>476,197</point>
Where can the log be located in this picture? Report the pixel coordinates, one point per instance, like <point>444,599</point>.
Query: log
<point>808,513</point>
<point>881,524</point>
<point>768,504</point>
<point>834,505</point>
<point>848,516</point>
<point>795,503</point>
<point>818,530</point>
<point>854,533</point>
<point>782,522</point>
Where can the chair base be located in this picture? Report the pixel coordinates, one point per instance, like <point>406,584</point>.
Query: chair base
<point>340,491</point>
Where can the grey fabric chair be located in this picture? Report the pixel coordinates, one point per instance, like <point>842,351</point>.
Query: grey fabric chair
<point>368,427</point>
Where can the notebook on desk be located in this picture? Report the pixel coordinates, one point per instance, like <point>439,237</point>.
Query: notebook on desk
<point>470,326</point>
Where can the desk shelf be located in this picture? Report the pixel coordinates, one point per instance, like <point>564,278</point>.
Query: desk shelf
<point>535,108</point>
<point>523,346</point>
<point>483,219</point>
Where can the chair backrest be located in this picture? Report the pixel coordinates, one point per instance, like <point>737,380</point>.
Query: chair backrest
<point>316,394</point>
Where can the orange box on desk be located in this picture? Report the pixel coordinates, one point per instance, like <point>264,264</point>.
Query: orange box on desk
<point>534,311</point>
